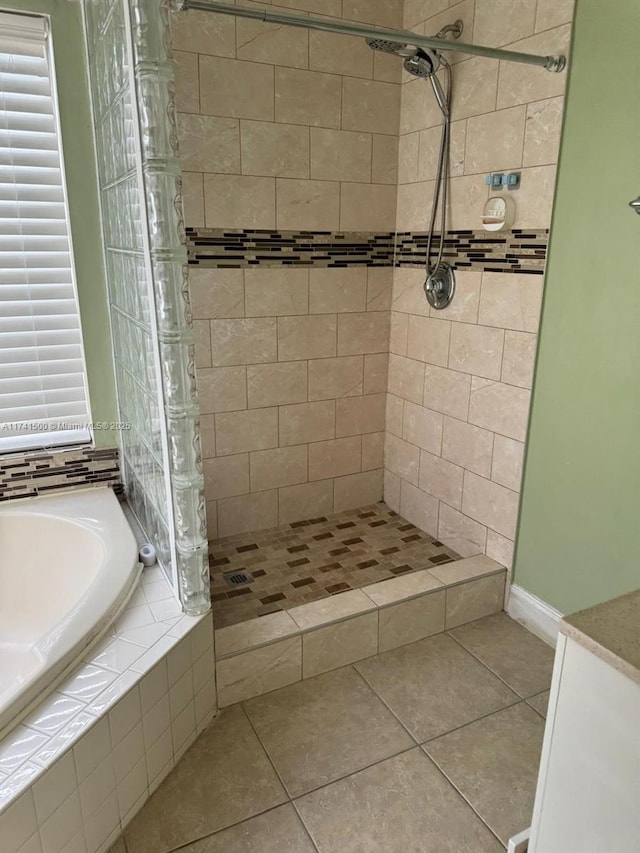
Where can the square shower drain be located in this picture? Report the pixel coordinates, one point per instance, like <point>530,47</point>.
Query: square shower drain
<point>241,578</point>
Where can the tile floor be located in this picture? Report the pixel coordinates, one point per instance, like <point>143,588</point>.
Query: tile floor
<point>430,748</point>
<point>308,560</point>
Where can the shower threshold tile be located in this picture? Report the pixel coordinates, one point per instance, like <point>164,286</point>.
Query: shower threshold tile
<point>311,560</point>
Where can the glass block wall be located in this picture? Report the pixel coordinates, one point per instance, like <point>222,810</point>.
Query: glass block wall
<point>140,192</point>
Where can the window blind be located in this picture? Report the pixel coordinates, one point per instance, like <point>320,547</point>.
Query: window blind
<point>43,389</point>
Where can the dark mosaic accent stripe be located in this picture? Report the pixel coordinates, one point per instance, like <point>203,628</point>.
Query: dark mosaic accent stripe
<point>29,475</point>
<point>516,251</point>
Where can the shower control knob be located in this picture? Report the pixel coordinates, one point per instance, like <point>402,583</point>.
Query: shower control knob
<point>635,204</point>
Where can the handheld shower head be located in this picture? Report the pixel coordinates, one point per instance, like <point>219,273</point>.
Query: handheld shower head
<point>422,63</point>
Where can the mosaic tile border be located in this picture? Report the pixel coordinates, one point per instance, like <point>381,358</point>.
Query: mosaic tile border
<point>515,251</point>
<point>29,475</point>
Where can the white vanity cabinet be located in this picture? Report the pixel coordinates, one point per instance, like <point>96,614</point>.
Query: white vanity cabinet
<point>588,794</point>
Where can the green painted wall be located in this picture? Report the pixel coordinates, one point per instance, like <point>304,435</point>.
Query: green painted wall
<point>77,142</point>
<point>579,530</point>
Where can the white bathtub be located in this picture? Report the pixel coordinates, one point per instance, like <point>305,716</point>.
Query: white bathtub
<point>68,563</point>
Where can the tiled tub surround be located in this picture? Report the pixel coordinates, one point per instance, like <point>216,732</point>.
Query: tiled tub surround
<point>514,250</point>
<point>313,559</point>
<point>292,379</point>
<point>29,475</point>
<point>78,769</point>
<point>460,379</point>
<point>262,654</point>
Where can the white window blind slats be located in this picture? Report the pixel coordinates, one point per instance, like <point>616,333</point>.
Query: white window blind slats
<point>43,397</point>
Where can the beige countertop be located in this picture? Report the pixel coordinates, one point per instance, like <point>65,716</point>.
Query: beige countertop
<point>610,630</point>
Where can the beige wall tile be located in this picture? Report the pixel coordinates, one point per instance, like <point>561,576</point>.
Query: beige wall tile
<point>428,340</point>
<point>257,41</point>
<point>372,451</point>
<point>334,458</point>
<point>222,389</point>
<point>208,435</point>
<point>476,83</point>
<point>313,205</point>
<point>519,358</point>
<point>340,155</point>
<point>305,422</point>
<point>408,154</point>
<point>535,202</point>
<point>386,67</point>
<point>322,7</point>
<point>202,32</point>
<point>497,24</point>
<point>447,391</point>
<point>216,293</point>
<point>418,109</point>
<point>408,291</point>
<point>259,671</point>
<point>423,427</point>
<point>382,13</point>
<point>468,196</point>
<point>464,307</point>
<point>367,207</point>
<point>399,333</point>
<point>338,54</point>
<point>499,548</point>
<point>392,490</point>
<point>508,456</point>
<point>542,132</point>
<point>247,513</point>
<point>229,87</point>
<point>212,520</point>
<point>363,333</point>
<point>441,479</point>
<point>384,169</point>
<point>370,105</point>
<point>416,11</point>
<point>226,476</point>
<point>402,458</point>
<point>276,384</point>
<point>277,150</point>
<point>518,85</point>
<point>337,290</point>
<point>477,350</point>
<point>490,504</point>
<point>339,644</point>
<point>411,621</point>
<point>494,140</point>
<point>235,201</point>
<point>419,508</point>
<point>379,288</point>
<point>307,97</point>
<point>474,600</point>
<point>358,415</point>
<point>306,337</point>
<point>185,69</point>
<point>276,292</point>
<point>406,378</point>
<point>454,527</point>
<point>395,415</point>
<point>468,446</point>
<point>209,143</point>
<point>414,207</point>
<point>511,301</point>
<point>335,377</point>
<point>430,148</point>
<point>463,10</point>
<point>308,500</point>
<point>255,429</point>
<point>193,199</point>
<point>202,343</point>
<point>243,341</point>
<point>553,13</point>
<point>499,407</point>
<point>284,466</point>
<point>356,490</point>
<point>376,369</point>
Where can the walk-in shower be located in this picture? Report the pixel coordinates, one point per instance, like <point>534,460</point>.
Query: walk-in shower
<point>422,57</point>
<point>440,283</point>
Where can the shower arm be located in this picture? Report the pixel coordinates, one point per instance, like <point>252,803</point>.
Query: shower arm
<point>551,63</point>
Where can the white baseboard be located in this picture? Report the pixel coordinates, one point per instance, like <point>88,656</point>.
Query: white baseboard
<point>534,613</point>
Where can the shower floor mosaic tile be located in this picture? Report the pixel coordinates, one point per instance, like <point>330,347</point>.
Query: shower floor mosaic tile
<point>308,560</point>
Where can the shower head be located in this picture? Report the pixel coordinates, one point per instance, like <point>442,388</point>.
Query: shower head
<point>397,47</point>
<point>422,63</point>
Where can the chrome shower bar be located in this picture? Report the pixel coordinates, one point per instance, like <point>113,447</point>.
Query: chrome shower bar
<point>551,63</point>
